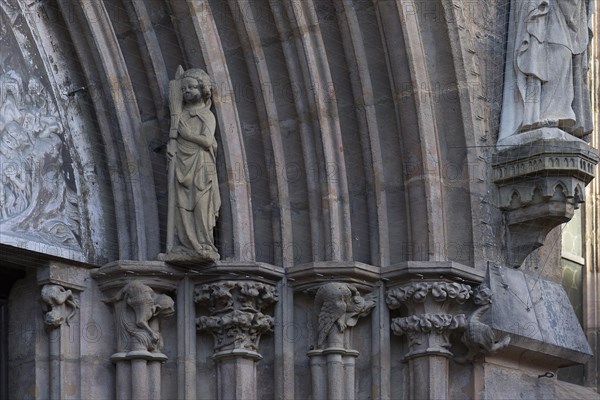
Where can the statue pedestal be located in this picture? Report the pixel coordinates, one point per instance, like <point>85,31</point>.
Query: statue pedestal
<point>540,183</point>
<point>190,260</point>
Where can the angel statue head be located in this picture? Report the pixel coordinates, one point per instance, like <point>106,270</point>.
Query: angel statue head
<point>196,86</point>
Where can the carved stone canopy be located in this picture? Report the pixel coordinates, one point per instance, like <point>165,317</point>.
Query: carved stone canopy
<point>236,309</point>
<point>540,184</point>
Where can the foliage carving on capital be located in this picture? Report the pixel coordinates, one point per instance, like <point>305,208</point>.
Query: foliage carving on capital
<point>339,305</point>
<point>138,307</point>
<point>417,293</point>
<point>59,304</point>
<point>428,332</point>
<point>428,323</point>
<point>236,318</point>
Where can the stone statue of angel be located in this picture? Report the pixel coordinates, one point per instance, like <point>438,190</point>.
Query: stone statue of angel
<point>194,199</point>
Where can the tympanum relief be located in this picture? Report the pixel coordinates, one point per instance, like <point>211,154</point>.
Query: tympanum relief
<point>36,198</point>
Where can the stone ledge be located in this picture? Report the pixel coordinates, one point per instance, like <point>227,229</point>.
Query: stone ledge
<point>68,276</point>
<point>236,270</point>
<point>417,270</point>
<point>311,275</point>
<point>155,274</point>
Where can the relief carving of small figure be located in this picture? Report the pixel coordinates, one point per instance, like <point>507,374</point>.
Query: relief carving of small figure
<point>16,180</point>
<point>59,305</point>
<point>339,305</point>
<point>194,199</point>
<point>546,73</point>
<point>136,306</point>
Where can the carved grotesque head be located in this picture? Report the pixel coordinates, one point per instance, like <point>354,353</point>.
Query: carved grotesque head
<point>163,306</point>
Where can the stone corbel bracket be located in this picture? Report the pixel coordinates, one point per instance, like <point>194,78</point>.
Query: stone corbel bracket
<point>339,307</point>
<point>60,285</point>
<point>135,291</point>
<point>540,185</point>
<point>311,276</point>
<point>59,305</point>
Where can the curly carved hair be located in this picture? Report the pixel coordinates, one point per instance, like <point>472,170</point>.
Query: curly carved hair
<point>203,79</point>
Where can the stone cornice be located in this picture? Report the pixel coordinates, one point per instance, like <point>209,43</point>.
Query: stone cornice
<point>440,270</point>
<point>312,275</point>
<point>68,276</point>
<point>236,270</point>
<point>155,274</point>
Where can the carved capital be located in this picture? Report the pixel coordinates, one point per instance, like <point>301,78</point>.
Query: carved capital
<point>428,333</point>
<point>59,305</point>
<point>138,309</point>
<point>339,305</point>
<point>418,292</point>
<point>236,317</point>
<point>436,310</point>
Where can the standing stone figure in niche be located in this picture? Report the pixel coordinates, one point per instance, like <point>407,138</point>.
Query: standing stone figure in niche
<point>194,199</point>
<point>546,70</point>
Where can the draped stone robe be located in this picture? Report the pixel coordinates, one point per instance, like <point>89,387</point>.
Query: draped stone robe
<point>545,82</point>
<point>196,185</point>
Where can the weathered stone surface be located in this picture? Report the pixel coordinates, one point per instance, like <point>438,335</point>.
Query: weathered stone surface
<point>537,314</point>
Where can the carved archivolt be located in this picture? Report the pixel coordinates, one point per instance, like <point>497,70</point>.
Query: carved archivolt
<point>236,313</point>
<point>339,305</point>
<point>136,307</point>
<point>60,305</point>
